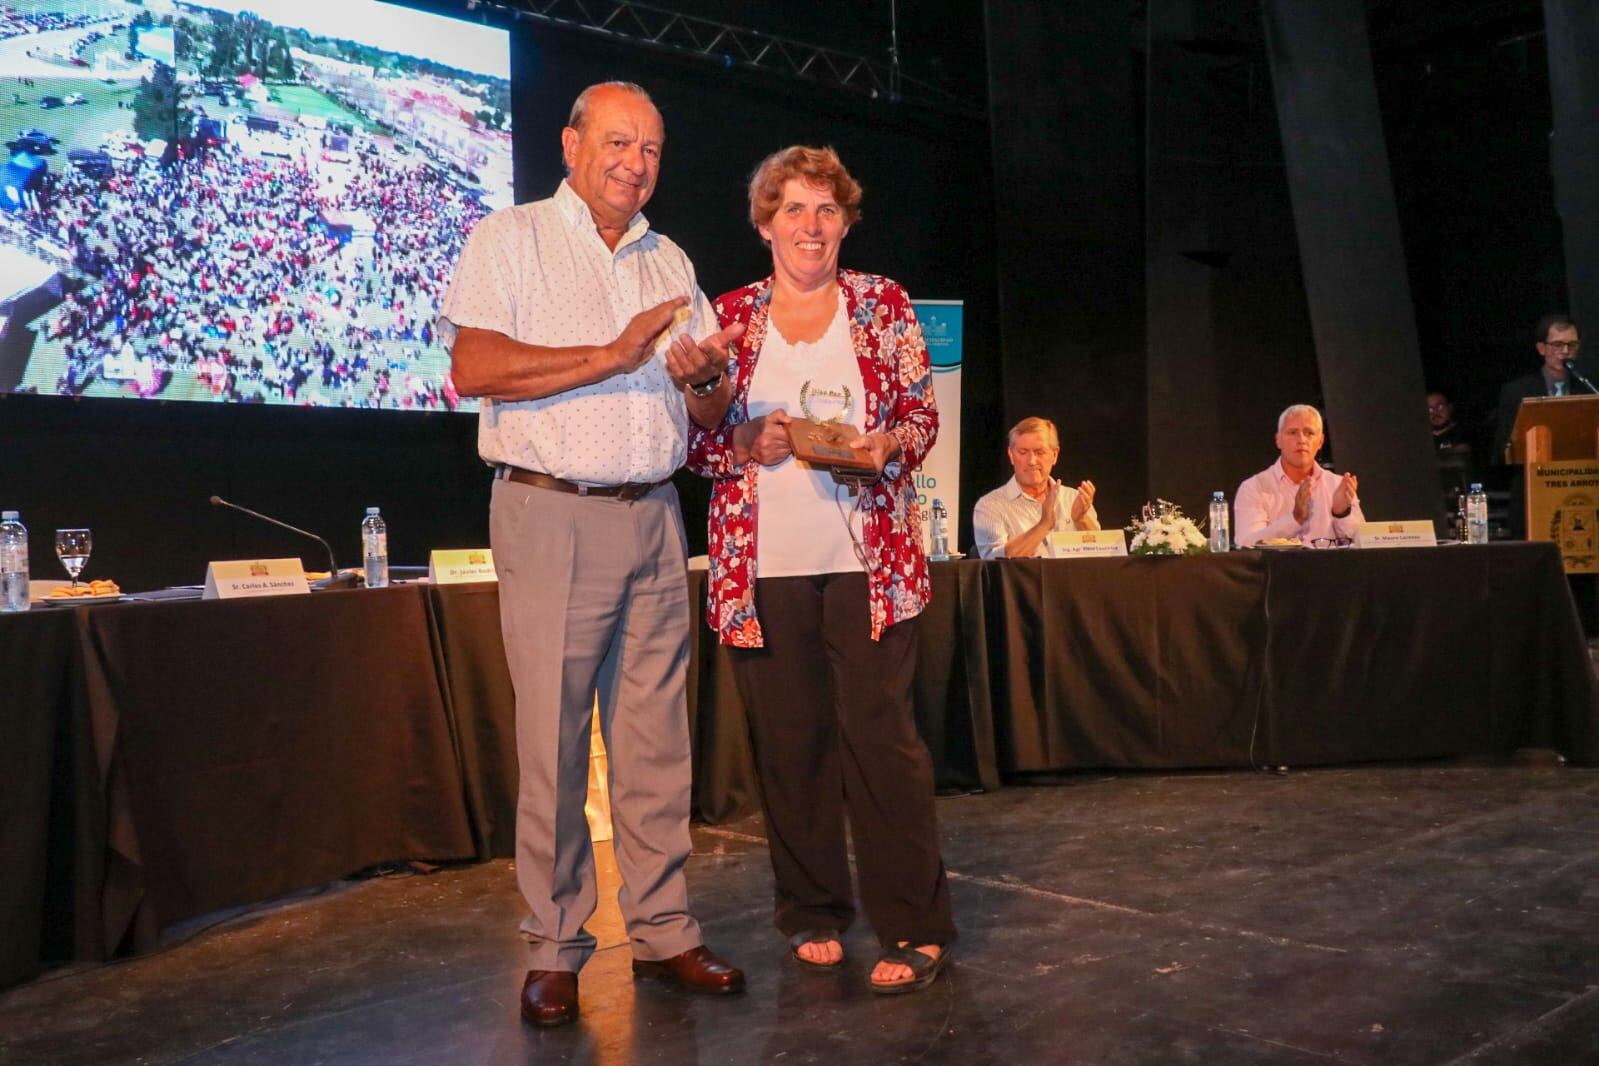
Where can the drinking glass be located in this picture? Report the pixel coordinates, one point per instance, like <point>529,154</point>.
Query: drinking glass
<point>72,548</point>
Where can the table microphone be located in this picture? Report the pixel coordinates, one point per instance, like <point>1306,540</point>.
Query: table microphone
<point>334,578</point>
<point>1572,370</point>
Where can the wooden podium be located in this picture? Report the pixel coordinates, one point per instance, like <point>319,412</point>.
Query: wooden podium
<point>1556,439</point>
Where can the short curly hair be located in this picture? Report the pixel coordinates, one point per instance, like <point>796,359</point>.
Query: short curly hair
<point>817,167</point>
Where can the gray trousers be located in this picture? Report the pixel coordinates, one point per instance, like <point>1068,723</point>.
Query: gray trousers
<point>594,598</point>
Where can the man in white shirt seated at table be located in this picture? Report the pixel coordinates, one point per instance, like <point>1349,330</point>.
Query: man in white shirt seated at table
<point>1294,499</point>
<point>1015,520</point>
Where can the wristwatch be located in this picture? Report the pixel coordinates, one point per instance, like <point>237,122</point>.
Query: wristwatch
<point>705,388</point>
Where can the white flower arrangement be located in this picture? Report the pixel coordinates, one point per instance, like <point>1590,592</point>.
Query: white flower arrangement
<point>1162,529</point>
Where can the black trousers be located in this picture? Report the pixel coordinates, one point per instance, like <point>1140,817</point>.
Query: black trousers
<point>834,734</point>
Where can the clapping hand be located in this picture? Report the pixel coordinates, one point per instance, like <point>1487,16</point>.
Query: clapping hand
<point>692,362</point>
<point>1344,495</point>
<point>1046,515</point>
<point>1302,497</point>
<point>1084,501</point>
<point>636,343</point>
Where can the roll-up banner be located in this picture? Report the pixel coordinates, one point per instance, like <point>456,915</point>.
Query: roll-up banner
<point>940,475</point>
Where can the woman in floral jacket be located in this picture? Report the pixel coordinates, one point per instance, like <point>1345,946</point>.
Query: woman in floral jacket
<point>816,587</point>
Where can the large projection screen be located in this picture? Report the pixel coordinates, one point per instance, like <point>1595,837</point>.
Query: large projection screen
<point>241,201</point>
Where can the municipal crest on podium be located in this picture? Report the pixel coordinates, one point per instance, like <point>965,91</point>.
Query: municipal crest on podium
<point>1575,528</point>
<point>1563,507</point>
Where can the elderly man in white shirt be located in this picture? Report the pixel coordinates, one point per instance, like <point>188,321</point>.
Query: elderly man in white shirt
<point>1294,498</point>
<point>1015,520</point>
<point>574,320</point>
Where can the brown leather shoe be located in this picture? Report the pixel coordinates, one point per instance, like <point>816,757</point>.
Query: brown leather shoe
<point>549,997</point>
<point>696,970</point>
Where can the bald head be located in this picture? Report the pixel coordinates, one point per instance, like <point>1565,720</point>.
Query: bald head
<point>612,151</point>
<point>580,106</point>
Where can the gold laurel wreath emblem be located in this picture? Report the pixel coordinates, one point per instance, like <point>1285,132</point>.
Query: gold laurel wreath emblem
<point>805,405</point>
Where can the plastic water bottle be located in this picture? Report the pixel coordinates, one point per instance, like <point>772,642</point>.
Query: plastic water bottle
<point>375,549</point>
<point>13,563</point>
<point>1476,515</point>
<point>940,532</point>
<point>1220,524</point>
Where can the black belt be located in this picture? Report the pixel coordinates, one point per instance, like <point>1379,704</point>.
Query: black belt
<point>635,490</point>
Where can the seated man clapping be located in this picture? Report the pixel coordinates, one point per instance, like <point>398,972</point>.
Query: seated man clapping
<point>1015,520</point>
<point>1294,498</point>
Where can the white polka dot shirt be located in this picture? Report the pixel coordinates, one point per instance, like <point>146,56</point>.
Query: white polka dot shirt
<point>540,273</point>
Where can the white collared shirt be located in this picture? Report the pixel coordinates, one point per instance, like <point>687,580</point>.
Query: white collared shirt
<point>1263,509</point>
<point>541,274</point>
<point>1008,512</point>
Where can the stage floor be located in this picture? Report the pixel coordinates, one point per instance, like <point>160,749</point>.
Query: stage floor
<point>1414,914</point>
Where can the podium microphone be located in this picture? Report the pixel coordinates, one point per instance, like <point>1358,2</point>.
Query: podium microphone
<point>333,567</point>
<point>1572,370</point>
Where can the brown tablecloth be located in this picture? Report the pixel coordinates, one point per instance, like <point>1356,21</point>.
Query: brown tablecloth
<point>1286,658</point>
<point>35,715</point>
<point>162,760</point>
<point>219,753</point>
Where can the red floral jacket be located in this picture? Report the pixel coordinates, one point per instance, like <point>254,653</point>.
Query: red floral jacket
<point>899,400</point>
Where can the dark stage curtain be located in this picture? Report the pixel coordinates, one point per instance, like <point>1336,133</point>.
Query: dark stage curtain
<point>1347,223</point>
<point>1229,338</point>
<point>1573,38</point>
<point>1069,233</point>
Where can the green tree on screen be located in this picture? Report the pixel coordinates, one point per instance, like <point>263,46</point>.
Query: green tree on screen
<point>156,111</point>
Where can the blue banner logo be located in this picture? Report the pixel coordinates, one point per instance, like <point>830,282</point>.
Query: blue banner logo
<point>942,323</point>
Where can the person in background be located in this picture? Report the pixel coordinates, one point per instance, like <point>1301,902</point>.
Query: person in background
<point>1015,520</point>
<point>561,314</point>
<point>1294,498</point>
<point>1446,430</point>
<point>1456,471</point>
<point>816,589</point>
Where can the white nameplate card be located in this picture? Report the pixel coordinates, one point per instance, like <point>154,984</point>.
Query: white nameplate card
<point>237,579</point>
<point>1077,543</point>
<point>1413,534</point>
<point>461,565</point>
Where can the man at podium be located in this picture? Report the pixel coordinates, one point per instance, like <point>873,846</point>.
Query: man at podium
<point>1555,337</point>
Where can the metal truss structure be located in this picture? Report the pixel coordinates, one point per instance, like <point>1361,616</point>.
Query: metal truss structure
<point>731,47</point>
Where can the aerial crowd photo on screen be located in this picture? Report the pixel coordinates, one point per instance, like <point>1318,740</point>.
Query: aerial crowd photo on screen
<point>236,201</point>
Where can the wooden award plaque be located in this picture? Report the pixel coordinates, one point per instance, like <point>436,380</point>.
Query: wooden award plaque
<point>826,445</point>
